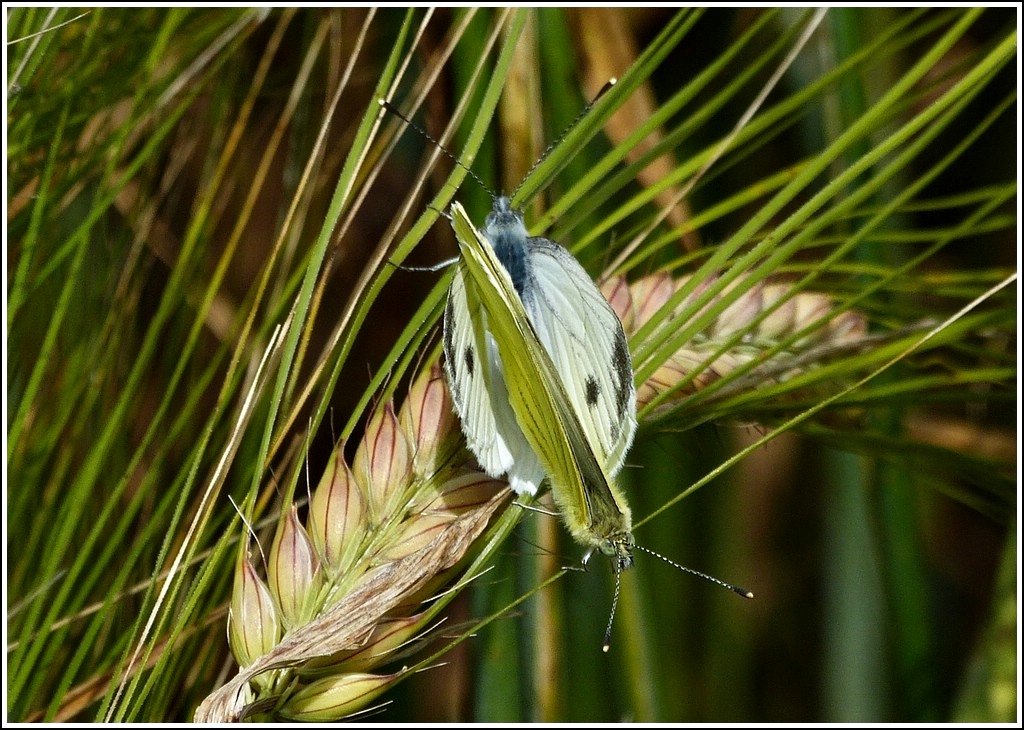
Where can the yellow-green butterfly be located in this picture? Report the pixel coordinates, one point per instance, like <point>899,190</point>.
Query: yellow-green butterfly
<point>541,377</point>
<point>540,374</point>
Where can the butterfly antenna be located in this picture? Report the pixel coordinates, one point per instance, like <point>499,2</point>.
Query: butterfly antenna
<point>394,110</point>
<point>558,140</point>
<point>615,604</point>
<point>735,589</point>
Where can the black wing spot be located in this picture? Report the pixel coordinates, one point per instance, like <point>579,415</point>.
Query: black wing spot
<point>593,390</point>
<point>468,358</point>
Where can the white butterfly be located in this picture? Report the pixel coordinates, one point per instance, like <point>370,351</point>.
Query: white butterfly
<point>581,333</point>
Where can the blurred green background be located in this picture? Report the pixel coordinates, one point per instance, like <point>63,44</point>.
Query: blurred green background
<point>161,162</point>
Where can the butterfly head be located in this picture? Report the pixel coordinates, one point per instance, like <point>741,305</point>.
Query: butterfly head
<point>620,549</point>
<point>503,218</point>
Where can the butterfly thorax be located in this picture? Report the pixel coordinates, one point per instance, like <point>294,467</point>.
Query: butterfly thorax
<point>506,232</point>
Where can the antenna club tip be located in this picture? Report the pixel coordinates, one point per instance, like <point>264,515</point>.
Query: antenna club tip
<point>612,81</point>
<point>381,101</point>
<point>606,647</point>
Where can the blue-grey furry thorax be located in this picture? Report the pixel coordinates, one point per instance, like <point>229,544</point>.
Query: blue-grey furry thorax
<point>505,230</point>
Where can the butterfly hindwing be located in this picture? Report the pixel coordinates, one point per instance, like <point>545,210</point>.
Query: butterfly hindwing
<point>585,340</point>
